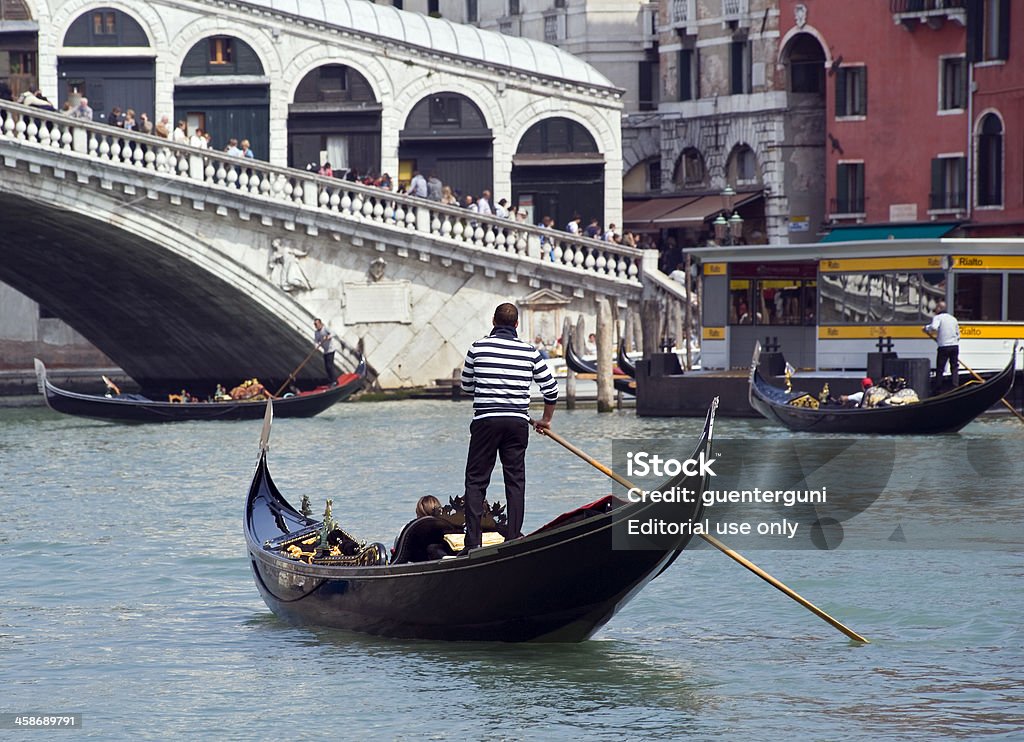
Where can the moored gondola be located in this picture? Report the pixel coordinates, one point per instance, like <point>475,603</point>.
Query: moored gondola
<point>560,583</point>
<point>136,408</point>
<point>626,363</point>
<point>943,413</point>
<point>582,366</point>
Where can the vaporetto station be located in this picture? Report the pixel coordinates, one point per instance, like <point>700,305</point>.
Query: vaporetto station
<point>828,304</point>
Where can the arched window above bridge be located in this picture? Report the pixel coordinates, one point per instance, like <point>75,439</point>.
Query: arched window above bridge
<point>105,27</point>
<point>444,112</point>
<point>334,83</point>
<point>805,60</point>
<point>556,135</point>
<point>221,55</point>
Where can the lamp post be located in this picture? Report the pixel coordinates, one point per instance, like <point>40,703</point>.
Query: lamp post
<point>728,224</point>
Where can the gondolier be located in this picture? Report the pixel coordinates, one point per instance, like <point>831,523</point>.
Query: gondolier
<point>498,371</point>
<point>947,335</point>
<point>322,336</point>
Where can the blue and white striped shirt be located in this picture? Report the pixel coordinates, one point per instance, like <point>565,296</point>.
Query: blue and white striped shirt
<point>498,371</point>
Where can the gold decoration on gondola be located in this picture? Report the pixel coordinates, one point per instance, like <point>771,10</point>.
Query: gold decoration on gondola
<point>823,396</point>
<point>805,400</point>
<point>249,391</point>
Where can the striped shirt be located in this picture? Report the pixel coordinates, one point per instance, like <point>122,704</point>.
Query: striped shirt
<point>498,371</point>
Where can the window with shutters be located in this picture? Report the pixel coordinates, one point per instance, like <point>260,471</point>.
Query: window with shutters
<point>953,83</point>
<point>849,188</point>
<point>949,183</point>
<point>688,75</point>
<point>852,91</point>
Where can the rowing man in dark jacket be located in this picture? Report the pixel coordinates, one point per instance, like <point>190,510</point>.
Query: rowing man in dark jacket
<point>498,371</point>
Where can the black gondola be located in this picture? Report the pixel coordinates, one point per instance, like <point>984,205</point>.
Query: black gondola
<point>560,583</point>
<point>582,366</point>
<point>626,364</point>
<point>136,408</point>
<point>944,413</point>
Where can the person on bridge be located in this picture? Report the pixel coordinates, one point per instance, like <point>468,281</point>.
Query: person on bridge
<point>497,371</point>
<point>324,340</point>
<point>947,335</point>
<point>418,185</point>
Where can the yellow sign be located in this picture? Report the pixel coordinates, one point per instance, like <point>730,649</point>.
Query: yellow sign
<point>714,333</point>
<point>715,269</point>
<point>914,332</point>
<point>991,332</point>
<point>870,332</point>
<point>988,262</point>
<point>850,265</point>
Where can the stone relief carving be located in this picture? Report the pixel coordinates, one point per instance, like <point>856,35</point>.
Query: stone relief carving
<point>284,268</point>
<point>800,15</point>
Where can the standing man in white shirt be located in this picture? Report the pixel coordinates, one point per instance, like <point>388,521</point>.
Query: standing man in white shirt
<point>947,335</point>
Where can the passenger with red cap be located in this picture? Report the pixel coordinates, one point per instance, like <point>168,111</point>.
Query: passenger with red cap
<point>857,398</point>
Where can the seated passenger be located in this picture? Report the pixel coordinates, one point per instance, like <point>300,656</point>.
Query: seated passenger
<point>427,505</point>
<point>857,398</point>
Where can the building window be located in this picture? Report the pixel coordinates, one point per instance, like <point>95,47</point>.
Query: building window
<point>434,8</point>
<point>513,7</point>
<point>221,50</point>
<point>806,65</point>
<point>996,40</point>
<point>648,87</point>
<point>104,23</point>
<point>953,84</point>
<point>654,175</point>
<point>849,188</point>
<point>1015,298</point>
<point>689,169</point>
<point>949,183</point>
<point>990,161</point>
<point>472,14</point>
<point>852,91</point>
<point>505,28</point>
<point>740,67</point>
<point>445,111</point>
<point>22,63</point>
<point>551,28</point>
<point>687,74</point>
<point>741,168</point>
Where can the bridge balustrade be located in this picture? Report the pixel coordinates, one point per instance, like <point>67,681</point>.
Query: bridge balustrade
<point>261,180</point>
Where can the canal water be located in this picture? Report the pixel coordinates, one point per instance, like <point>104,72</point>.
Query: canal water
<point>125,596</point>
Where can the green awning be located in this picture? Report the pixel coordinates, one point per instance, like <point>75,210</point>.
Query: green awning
<point>859,232</point>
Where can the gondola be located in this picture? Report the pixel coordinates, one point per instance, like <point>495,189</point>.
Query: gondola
<point>626,363</point>
<point>139,409</point>
<point>943,413</point>
<point>560,583</point>
<point>581,366</point>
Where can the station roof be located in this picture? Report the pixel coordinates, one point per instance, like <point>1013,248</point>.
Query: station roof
<point>442,36</point>
<point>863,232</point>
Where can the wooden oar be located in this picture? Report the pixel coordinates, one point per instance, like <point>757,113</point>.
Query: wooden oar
<point>974,373</point>
<point>299,368</point>
<point>716,543</point>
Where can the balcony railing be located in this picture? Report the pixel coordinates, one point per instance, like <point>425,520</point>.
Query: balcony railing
<point>733,8</point>
<point>683,12</point>
<point>947,201</point>
<point>924,6</point>
<point>253,182</point>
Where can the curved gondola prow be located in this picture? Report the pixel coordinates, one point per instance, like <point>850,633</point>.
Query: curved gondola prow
<point>626,364</point>
<point>754,360</point>
<point>575,362</point>
<point>268,419</point>
<point>40,376</point>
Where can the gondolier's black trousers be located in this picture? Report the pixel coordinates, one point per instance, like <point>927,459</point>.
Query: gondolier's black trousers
<point>329,367</point>
<point>506,437</point>
<point>947,354</point>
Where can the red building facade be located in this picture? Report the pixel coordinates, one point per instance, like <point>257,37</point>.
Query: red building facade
<point>924,109</point>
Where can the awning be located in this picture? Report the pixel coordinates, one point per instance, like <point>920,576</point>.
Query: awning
<point>859,232</point>
<point>692,213</point>
<point>643,213</point>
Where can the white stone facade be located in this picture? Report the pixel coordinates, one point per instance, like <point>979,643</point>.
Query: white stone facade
<point>404,56</point>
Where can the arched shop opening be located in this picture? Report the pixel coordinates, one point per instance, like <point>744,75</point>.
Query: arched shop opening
<point>446,134</point>
<point>335,118</point>
<point>107,80</point>
<point>558,171</point>
<point>223,90</point>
